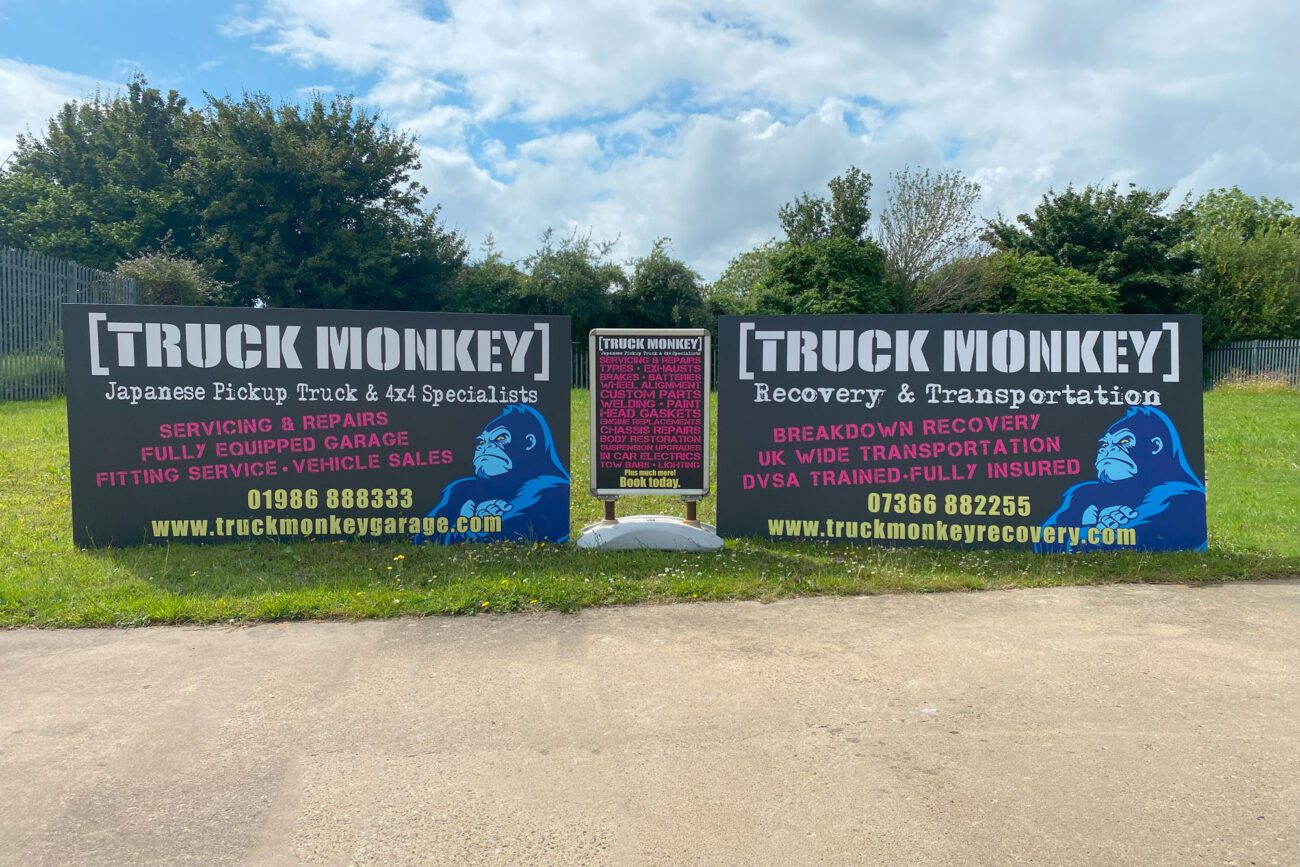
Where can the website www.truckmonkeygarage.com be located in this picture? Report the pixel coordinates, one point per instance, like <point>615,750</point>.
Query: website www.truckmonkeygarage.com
<point>278,527</point>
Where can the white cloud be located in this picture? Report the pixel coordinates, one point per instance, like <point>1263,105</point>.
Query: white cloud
<point>643,118</point>
<point>30,95</point>
<point>640,119</point>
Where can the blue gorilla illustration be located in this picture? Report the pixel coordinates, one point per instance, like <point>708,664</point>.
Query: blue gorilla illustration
<point>1144,483</point>
<point>517,477</point>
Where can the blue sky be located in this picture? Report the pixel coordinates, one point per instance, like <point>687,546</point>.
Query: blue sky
<point>637,119</point>
<point>177,45</point>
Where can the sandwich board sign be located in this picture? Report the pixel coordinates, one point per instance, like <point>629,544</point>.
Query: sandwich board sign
<point>649,433</point>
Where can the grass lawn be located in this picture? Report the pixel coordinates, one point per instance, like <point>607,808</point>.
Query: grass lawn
<point>1252,454</point>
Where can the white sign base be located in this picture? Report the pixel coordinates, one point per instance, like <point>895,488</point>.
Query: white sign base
<point>649,532</point>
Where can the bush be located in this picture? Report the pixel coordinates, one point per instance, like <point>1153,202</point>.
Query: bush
<point>1036,284</point>
<point>827,275</point>
<point>1248,288</point>
<point>168,279</point>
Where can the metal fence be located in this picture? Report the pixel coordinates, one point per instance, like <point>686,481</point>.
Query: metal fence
<point>32,287</point>
<point>1275,358</point>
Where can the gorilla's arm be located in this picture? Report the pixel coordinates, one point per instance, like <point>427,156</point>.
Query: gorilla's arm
<point>1171,515</point>
<point>539,510</point>
<point>454,497</point>
<point>1074,503</point>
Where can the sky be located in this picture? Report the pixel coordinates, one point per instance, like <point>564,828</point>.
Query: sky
<point>633,121</point>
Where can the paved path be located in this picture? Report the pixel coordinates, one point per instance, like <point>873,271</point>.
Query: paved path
<point>1139,725</point>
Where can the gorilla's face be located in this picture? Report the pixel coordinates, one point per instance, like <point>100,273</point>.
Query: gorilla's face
<point>493,450</point>
<point>1114,459</point>
<point>1118,454</point>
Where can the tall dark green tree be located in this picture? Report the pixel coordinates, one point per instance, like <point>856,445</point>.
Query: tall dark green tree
<point>100,185</point>
<point>662,293</point>
<point>1124,239</point>
<point>315,206</point>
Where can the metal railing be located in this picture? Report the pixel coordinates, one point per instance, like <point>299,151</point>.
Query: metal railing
<point>1275,358</point>
<point>32,288</point>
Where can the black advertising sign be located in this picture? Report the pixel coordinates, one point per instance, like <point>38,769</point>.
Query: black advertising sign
<point>204,424</point>
<point>1050,433</point>
<point>649,411</point>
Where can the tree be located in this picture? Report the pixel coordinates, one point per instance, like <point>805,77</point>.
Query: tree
<point>165,278</point>
<point>827,264</point>
<point>1030,283</point>
<point>1248,290</point>
<point>847,214</point>
<point>733,292</point>
<point>929,222</point>
<point>310,206</point>
<point>966,284</point>
<point>663,293</point>
<point>315,207</point>
<point>491,284</point>
<point>101,184</point>
<point>1248,286</point>
<point>1123,239</point>
<point>574,277</point>
<point>1244,216</point>
<point>827,275</point>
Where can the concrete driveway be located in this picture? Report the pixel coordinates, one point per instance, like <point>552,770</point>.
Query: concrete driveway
<point>1102,725</point>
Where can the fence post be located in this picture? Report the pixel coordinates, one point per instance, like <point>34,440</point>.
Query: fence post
<point>70,282</point>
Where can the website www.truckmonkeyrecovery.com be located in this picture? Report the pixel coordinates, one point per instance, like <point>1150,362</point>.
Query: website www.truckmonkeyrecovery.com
<point>277,527</point>
<point>881,530</point>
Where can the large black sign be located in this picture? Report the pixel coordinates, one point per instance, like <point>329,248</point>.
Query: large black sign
<point>1056,433</point>
<point>215,424</point>
<point>649,411</point>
